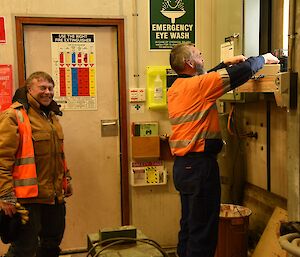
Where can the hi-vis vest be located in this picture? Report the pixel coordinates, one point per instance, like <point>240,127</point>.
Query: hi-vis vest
<point>24,170</point>
<point>193,112</point>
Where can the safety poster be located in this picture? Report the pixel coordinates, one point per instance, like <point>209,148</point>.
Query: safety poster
<point>74,70</point>
<point>5,86</point>
<point>171,22</point>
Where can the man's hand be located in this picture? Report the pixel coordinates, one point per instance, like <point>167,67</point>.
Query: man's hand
<point>270,58</point>
<point>8,208</point>
<point>69,189</point>
<point>235,60</point>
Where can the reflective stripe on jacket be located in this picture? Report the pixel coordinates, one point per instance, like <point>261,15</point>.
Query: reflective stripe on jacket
<point>47,138</point>
<point>193,112</point>
<point>24,170</point>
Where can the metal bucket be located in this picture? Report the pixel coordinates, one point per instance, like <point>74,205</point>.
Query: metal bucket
<point>233,231</point>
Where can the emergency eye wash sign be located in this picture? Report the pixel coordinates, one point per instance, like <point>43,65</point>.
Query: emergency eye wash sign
<point>171,22</point>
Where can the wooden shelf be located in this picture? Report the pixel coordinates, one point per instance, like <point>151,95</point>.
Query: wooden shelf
<point>265,80</point>
<point>145,147</point>
<point>270,80</point>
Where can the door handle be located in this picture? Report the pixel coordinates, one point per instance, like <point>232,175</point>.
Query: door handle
<point>109,128</point>
<point>109,123</point>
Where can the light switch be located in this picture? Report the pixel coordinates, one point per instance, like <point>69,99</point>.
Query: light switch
<point>137,95</point>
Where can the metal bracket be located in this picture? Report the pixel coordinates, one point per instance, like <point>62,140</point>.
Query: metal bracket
<point>232,37</point>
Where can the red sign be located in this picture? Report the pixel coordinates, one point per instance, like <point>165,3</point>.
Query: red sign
<point>2,31</point>
<point>5,86</point>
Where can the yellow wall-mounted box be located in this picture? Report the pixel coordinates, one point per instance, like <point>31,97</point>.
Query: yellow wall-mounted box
<point>157,87</point>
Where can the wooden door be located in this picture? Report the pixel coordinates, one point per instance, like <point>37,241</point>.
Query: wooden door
<point>99,175</point>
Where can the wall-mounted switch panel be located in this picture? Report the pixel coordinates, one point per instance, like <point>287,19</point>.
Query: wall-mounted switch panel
<point>137,95</point>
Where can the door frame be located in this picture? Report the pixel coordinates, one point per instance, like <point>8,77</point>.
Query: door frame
<point>118,23</point>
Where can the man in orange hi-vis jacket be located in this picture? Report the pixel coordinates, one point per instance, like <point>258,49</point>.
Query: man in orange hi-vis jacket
<point>33,169</point>
<point>196,140</point>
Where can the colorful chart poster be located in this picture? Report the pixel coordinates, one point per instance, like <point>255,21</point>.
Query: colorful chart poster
<point>5,86</point>
<point>74,70</point>
<point>171,22</point>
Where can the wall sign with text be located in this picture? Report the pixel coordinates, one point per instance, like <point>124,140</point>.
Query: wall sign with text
<point>171,22</point>
<point>6,85</point>
<point>74,70</point>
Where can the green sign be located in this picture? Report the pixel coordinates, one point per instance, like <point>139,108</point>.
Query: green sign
<point>171,22</point>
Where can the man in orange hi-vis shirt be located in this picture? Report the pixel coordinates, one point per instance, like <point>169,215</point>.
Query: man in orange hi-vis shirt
<point>196,140</point>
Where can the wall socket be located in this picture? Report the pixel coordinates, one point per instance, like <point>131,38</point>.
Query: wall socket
<point>137,95</point>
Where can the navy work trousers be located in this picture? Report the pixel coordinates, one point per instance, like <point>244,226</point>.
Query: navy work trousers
<point>196,177</point>
<point>43,233</point>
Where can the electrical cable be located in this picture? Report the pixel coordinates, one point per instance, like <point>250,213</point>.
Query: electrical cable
<point>234,131</point>
<point>119,240</point>
<point>231,120</point>
<point>123,240</point>
<point>235,158</point>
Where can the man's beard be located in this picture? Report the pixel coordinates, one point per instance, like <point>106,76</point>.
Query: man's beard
<point>200,69</point>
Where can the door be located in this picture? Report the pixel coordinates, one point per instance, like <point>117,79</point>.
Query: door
<point>94,159</point>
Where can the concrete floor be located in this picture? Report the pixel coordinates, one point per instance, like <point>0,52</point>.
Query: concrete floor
<point>170,253</point>
<point>74,255</point>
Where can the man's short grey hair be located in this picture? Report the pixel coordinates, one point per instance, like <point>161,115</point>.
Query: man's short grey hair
<point>179,55</point>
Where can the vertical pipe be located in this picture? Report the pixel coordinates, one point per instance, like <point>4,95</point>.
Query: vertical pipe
<point>135,42</point>
<point>265,45</point>
<point>268,145</point>
<point>293,128</point>
<point>292,29</point>
<point>265,32</point>
<point>270,26</point>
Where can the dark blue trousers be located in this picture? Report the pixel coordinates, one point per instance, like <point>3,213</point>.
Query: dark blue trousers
<point>42,235</point>
<point>196,177</point>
